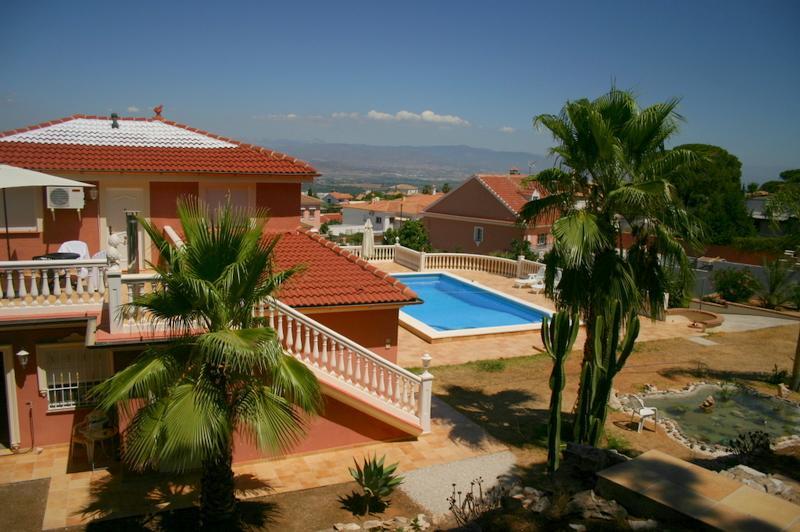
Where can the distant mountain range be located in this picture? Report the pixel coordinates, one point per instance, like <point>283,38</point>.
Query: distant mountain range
<point>389,164</point>
<point>342,163</point>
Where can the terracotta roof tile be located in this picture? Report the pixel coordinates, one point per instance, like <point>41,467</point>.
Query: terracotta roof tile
<point>332,276</point>
<point>407,204</point>
<point>513,192</point>
<point>89,143</point>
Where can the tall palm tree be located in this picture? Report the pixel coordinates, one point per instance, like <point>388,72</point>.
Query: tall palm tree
<point>223,371</point>
<point>611,178</point>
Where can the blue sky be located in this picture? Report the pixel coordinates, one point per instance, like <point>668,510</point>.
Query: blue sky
<point>316,71</point>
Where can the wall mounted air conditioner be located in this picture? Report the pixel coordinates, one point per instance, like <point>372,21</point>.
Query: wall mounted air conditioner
<point>65,198</point>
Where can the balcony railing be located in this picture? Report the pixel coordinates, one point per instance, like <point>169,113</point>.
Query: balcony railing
<point>37,284</point>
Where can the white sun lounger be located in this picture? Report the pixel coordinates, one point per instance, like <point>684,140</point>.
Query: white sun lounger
<point>531,280</point>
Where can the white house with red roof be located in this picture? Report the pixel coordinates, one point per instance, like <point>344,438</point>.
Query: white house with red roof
<point>339,316</point>
<point>481,216</point>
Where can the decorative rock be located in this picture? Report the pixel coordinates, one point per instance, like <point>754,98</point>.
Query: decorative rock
<point>613,400</point>
<point>591,459</point>
<point>783,391</point>
<point>643,524</point>
<point>708,403</point>
<point>528,490</point>
<point>540,505</point>
<point>649,388</point>
<point>372,524</point>
<point>577,527</point>
<point>590,506</point>
<point>346,526</point>
<point>515,490</point>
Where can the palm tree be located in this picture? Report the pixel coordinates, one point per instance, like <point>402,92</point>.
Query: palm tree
<point>223,370</point>
<point>612,178</point>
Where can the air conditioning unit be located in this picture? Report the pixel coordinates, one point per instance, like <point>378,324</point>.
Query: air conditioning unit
<point>65,198</point>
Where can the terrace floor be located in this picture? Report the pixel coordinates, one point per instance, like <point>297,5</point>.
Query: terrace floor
<point>77,495</point>
<point>459,351</point>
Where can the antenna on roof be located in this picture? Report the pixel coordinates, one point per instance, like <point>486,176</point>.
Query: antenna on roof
<point>114,123</point>
<point>157,110</point>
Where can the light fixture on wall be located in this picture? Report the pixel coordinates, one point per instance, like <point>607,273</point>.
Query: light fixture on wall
<point>93,194</point>
<point>22,357</point>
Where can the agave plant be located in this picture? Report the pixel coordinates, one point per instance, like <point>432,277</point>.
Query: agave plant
<point>377,482</point>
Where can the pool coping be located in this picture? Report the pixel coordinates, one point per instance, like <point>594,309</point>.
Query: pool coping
<point>673,429</point>
<point>431,335</point>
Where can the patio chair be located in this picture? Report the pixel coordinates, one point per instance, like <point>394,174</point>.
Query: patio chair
<point>530,280</point>
<point>81,248</point>
<point>643,412</point>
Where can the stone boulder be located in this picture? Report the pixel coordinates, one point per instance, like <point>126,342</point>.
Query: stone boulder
<point>589,505</point>
<point>588,459</point>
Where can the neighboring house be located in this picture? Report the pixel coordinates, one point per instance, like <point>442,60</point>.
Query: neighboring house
<point>406,190</point>
<point>386,213</point>
<point>310,208</point>
<point>339,314</point>
<point>330,217</point>
<point>335,199</point>
<point>756,204</point>
<point>480,216</point>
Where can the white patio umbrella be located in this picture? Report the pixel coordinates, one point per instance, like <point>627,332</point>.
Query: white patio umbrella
<point>14,177</point>
<point>368,242</point>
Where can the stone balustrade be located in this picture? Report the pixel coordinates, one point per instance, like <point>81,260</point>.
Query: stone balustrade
<point>52,283</point>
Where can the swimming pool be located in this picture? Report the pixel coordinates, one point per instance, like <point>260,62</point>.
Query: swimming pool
<point>453,306</point>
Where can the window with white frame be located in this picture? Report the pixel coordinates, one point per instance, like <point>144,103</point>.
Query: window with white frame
<point>542,239</point>
<point>67,372</point>
<point>23,209</point>
<point>477,234</point>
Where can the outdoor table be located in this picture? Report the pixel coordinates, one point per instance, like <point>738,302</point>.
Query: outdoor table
<point>57,256</point>
<point>94,435</point>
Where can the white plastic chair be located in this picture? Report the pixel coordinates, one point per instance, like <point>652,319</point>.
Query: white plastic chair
<point>643,412</point>
<point>81,248</point>
<point>530,280</point>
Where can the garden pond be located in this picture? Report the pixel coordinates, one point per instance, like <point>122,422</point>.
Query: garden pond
<point>736,410</point>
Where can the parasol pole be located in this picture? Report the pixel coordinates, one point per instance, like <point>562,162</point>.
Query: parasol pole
<point>5,216</point>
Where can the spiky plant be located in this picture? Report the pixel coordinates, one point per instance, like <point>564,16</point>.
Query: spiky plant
<point>558,336</point>
<point>223,370</point>
<point>377,481</point>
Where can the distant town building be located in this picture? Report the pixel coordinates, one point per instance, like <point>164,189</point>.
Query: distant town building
<point>756,203</point>
<point>383,213</point>
<point>335,199</point>
<point>406,190</point>
<point>480,216</point>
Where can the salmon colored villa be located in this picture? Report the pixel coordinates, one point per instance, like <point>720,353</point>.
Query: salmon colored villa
<point>480,216</point>
<point>60,332</point>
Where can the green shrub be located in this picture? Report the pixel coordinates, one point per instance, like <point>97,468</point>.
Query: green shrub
<point>751,445</point>
<point>377,482</point>
<point>735,285</point>
<point>775,292</point>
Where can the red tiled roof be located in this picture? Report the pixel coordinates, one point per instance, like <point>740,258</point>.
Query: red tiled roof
<point>333,276</point>
<point>170,147</point>
<point>340,195</point>
<point>330,217</point>
<point>407,204</point>
<point>510,189</point>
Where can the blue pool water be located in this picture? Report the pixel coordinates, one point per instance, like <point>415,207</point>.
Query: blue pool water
<point>450,304</point>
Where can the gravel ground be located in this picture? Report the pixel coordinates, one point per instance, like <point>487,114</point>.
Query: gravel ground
<point>430,486</point>
<point>738,323</point>
<point>23,505</point>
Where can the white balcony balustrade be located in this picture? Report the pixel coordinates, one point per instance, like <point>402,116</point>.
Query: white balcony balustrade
<point>46,284</point>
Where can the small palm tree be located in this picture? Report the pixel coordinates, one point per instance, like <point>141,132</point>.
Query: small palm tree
<point>612,177</point>
<point>223,371</point>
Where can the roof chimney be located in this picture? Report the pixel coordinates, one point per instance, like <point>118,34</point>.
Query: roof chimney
<point>114,123</point>
<point>157,110</point>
